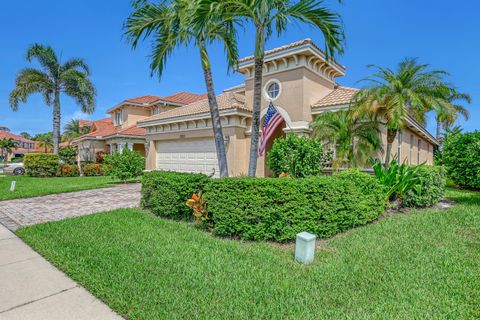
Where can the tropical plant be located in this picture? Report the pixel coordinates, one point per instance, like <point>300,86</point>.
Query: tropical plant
<point>51,80</point>
<point>355,138</point>
<point>267,15</point>
<point>182,22</point>
<point>398,178</point>
<point>6,146</point>
<point>447,115</point>
<point>25,135</point>
<point>394,95</point>
<point>198,203</point>
<point>73,129</point>
<point>296,156</point>
<point>44,140</point>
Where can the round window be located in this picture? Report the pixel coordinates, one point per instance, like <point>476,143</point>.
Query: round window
<point>273,90</point>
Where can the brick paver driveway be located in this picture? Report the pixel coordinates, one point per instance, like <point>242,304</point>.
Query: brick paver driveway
<point>23,212</point>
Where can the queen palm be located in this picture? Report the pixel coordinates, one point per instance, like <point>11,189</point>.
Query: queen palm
<point>45,141</point>
<point>354,139</point>
<point>73,129</point>
<point>447,115</point>
<point>176,23</point>
<point>394,95</point>
<point>51,80</point>
<point>267,15</point>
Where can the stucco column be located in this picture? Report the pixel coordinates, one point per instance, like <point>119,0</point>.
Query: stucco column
<point>130,146</point>
<point>120,146</point>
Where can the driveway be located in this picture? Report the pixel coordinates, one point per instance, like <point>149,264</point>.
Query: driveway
<point>24,212</point>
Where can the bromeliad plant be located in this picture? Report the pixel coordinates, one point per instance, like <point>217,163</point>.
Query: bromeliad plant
<point>398,178</point>
<point>199,205</point>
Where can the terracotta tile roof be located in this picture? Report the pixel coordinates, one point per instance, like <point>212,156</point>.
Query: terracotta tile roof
<point>143,99</point>
<point>339,96</point>
<point>85,123</point>
<point>225,101</point>
<point>132,131</point>
<point>184,97</point>
<point>235,88</point>
<point>105,128</point>
<point>282,48</point>
<point>8,135</point>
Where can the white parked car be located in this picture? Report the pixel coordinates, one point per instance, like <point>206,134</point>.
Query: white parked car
<point>16,169</point>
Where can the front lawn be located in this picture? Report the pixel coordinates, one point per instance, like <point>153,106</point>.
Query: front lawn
<point>27,187</point>
<point>421,265</point>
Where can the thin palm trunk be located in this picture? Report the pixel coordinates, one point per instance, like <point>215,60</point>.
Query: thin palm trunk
<point>391,135</point>
<point>215,114</point>
<point>438,131</point>
<point>56,122</point>
<point>257,100</point>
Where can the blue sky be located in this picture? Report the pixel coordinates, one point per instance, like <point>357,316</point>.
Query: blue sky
<point>441,33</point>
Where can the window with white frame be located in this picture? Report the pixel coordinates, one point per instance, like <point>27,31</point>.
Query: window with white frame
<point>118,118</point>
<point>411,149</point>
<point>418,150</point>
<point>399,147</point>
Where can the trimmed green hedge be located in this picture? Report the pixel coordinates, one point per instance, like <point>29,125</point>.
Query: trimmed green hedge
<point>41,164</point>
<point>432,188</point>
<point>278,209</point>
<point>165,193</point>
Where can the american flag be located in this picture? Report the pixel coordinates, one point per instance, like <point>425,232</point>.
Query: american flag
<point>272,120</point>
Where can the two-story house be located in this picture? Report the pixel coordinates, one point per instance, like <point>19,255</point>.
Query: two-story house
<point>23,145</point>
<point>298,79</point>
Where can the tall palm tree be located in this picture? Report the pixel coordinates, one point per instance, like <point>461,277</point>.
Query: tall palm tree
<point>182,22</point>
<point>45,140</point>
<point>51,80</point>
<point>267,15</point>
<point>447,115</point>
<point>354,138</point>
<point>394,95</point>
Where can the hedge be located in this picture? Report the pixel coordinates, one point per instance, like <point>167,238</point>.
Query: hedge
<point>68,170</point>
<point>461,158</point>
<point>165,193</point>
<point>41,164</point>
<point>278,209</point>
<point>93,169</point>
<point>432,188</point>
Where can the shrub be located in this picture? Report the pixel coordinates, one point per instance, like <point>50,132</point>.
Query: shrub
<point>68,155</point>
<point>432,188</point>
<point>41,164</point>
<point>461,158</point>
<point>68,170</point>
<point>165,193</point>
<point>99,155</point>
<point>93,169</point>
<point>278,209</point>
<point>298,156</point>
<point>124,165</point>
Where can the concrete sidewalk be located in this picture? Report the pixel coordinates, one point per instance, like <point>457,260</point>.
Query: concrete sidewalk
<point>32,289</point>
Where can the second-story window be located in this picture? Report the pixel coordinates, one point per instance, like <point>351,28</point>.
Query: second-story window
<point>118,118</point>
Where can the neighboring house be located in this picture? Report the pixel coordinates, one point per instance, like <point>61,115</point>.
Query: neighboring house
<point>298,79</point>
<point>120,130</point>
<point>23,145</point>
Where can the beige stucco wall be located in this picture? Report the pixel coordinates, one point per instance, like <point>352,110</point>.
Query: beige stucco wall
<point>131,115</point>
<point>409,152</point>
<point>93,146</point>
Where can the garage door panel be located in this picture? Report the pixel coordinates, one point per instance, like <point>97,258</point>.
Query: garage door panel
<point>192,155</point>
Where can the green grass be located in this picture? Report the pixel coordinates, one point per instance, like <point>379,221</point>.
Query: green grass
<point>421,265</point>
<point>27,187</point>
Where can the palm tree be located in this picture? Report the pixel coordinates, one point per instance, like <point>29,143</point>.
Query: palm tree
<point>73,129</point>
<point>354,138</point>
<point>51,80</point>
<point>182,22</point>
<point>410,91</point>
<point>6,146</point>
<point>267,15</point>
<point>446,115</point>
<point>45,140</point>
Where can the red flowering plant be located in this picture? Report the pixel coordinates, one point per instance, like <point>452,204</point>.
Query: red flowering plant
<point>199,205</point>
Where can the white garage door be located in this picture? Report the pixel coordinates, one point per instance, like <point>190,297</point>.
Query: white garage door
<point>191,155</point>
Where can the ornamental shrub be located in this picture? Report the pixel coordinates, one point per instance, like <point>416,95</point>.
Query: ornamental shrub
<point>93,169</point>
<point>278,209</point>
<point>165,193</point>
<point>68,155</point>
<point>41,164</point>
<point>461,158</point>
<point>124,165</point>
<point>68,170</point>
<point>432,188</point>
<point>99,155</point>
<point>297,156</point>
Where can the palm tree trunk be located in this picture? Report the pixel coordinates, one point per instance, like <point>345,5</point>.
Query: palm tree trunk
<point>438,131</point>
<point>257,100</point>
<point>56,122</point>
<point>391,135</point>
<point>215,114</point>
